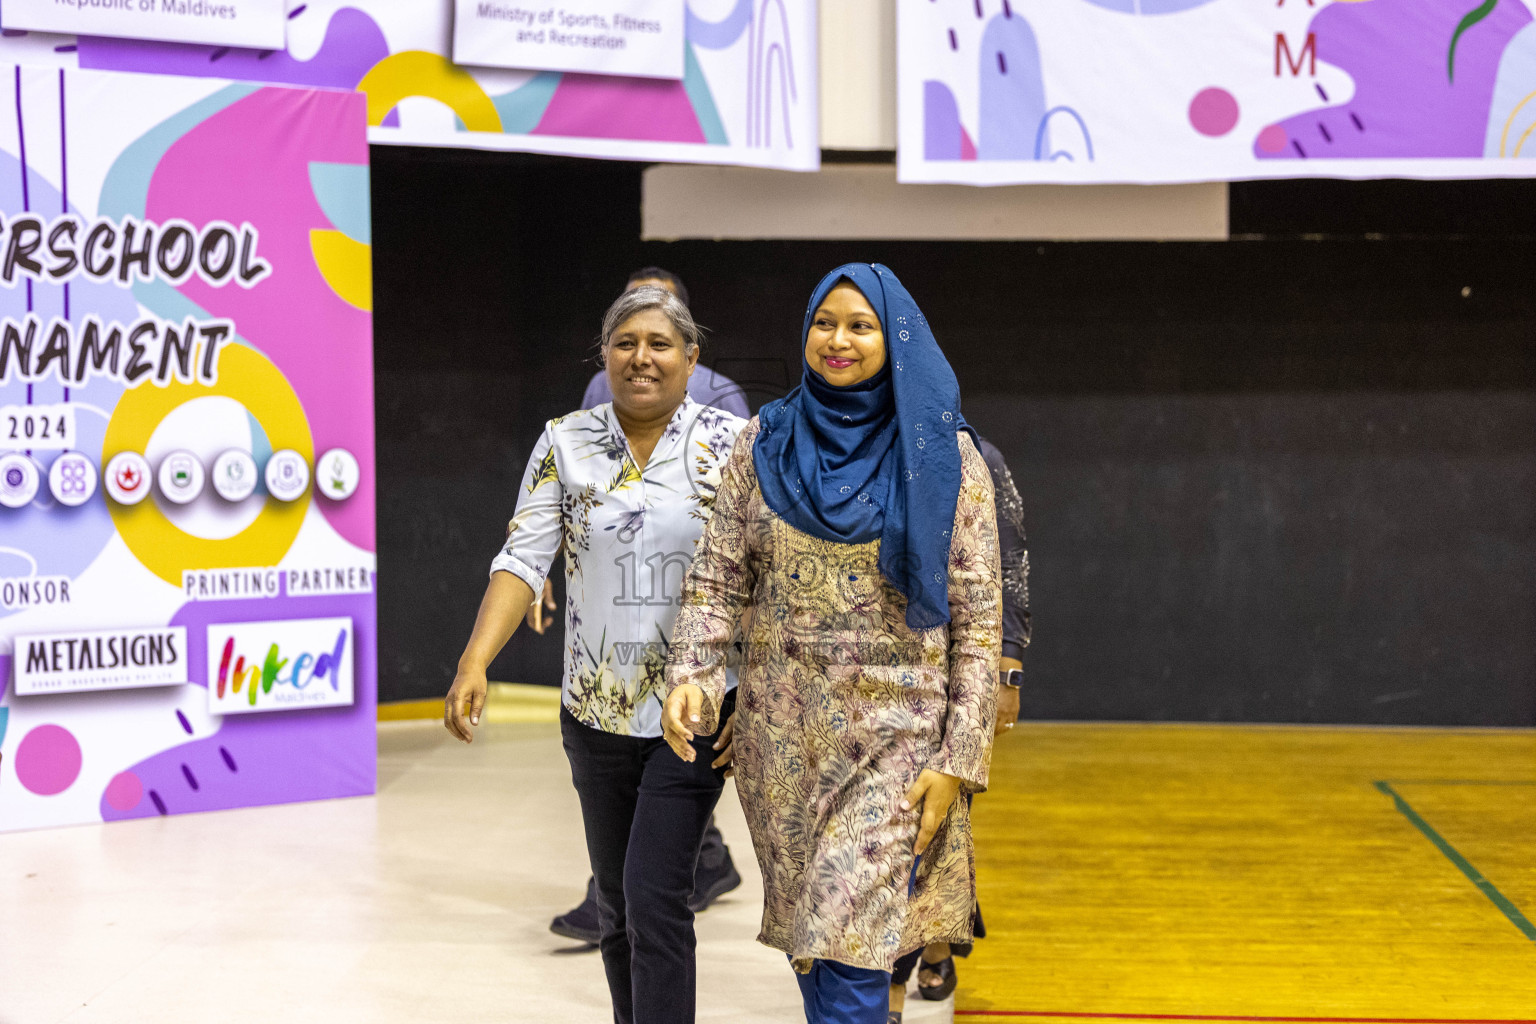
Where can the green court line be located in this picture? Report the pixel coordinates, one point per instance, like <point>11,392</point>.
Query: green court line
<point>1454,856</point>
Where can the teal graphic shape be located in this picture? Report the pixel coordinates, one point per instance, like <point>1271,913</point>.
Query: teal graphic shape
<point>522,108</point>
<point>703,100</point>
<point>342,192</point>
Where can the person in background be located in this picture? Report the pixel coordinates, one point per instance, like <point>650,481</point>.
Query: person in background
<point>856,517</point>
<point>937,978</point>
<point>628,483</point>
<point>716,874</point>
<point>705,386</point>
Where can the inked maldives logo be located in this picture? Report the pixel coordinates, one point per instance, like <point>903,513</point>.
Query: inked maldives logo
<point>279,666</point>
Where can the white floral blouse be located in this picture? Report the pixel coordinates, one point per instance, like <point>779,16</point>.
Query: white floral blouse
<point>629,537</point>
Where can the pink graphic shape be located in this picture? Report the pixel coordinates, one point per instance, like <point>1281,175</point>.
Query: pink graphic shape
<point>607,107</point>
<point>48,760</point>
<point>1213,112</point>
<point>1405,104</point>
<point>967,147</point>
<point>1272,139</point>
<point>250,162</point>
<point>124,791</point>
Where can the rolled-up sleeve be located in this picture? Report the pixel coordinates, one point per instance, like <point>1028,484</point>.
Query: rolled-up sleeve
<point>536,527</point>
<point>975,627</point>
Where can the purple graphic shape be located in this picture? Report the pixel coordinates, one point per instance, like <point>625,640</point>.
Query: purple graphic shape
<point>769,38</point>
<point>941,123</point>
<point>1404,104</point>
<point>609,107</point>
<point>719,35</point>
<point>250,162</point>
<point>283,756</point>
<point>353,44</point>
<point>1012,100</point>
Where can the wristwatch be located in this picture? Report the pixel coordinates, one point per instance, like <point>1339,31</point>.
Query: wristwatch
<point>1010,677</point>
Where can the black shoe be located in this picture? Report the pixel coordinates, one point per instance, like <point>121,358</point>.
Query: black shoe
<point>945,969</point>
<point>709,884</point>
<point>581,923</point>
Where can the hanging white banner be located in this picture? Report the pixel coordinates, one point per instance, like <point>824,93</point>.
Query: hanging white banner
<point>995,92</point>
<point>253,23</point>
<point>644,39</point>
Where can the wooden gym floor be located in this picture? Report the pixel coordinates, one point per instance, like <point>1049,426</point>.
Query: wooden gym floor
<point>1191,872</point>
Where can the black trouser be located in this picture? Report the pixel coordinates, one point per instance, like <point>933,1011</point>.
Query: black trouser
<point>644,810</point>
<point>712,851</point>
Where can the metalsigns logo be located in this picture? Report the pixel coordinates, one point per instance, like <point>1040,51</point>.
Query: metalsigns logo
<point>279,666</point>
<point>113,659</point>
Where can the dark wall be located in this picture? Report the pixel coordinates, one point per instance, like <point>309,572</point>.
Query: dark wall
<point>1289,477</point>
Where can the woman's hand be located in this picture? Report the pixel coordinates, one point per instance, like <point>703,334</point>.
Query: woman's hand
<point>725,743</point>
<point>1007,709</point>
<point>680,716</point>
<point>935,791</point>
<point>469,685</point>
<point>1007,699</point>
<point>537,620</point>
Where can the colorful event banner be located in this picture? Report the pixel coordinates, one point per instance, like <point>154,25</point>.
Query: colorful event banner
<point>187,613</point>
<point>1006,91</point>
<point>746,95</point>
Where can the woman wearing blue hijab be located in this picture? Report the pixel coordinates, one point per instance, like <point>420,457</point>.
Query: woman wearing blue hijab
<point>856,518</point>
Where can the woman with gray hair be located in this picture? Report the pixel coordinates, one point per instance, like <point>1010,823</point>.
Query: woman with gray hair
<point>625,488</point>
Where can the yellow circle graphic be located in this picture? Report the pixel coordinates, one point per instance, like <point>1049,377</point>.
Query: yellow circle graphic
<point>165,549</point>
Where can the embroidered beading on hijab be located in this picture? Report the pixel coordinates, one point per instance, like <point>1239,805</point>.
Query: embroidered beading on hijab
<point>877,459</point>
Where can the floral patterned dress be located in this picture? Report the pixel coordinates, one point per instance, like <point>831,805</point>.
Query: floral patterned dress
<point>840,707</point>
<point>628,536</point>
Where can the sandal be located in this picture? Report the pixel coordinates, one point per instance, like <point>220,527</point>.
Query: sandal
<point>893,1017</point>
<point>945,969</point>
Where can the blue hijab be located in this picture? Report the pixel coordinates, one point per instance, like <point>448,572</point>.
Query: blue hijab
<point>877,459</point>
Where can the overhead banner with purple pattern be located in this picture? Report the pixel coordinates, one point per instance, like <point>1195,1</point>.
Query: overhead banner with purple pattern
<point>998,92</point>
<point>746,92</point>
<point>187,615</point>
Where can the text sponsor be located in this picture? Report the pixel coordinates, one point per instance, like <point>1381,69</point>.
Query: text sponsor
<point>30,591</point>
<point>279,666</point>
<point>113,659</point>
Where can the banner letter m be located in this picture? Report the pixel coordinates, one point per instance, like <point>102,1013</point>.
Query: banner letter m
<point>1307,56</point>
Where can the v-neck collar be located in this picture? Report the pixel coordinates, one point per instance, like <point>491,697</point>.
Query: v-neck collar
<point>671,434</point>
